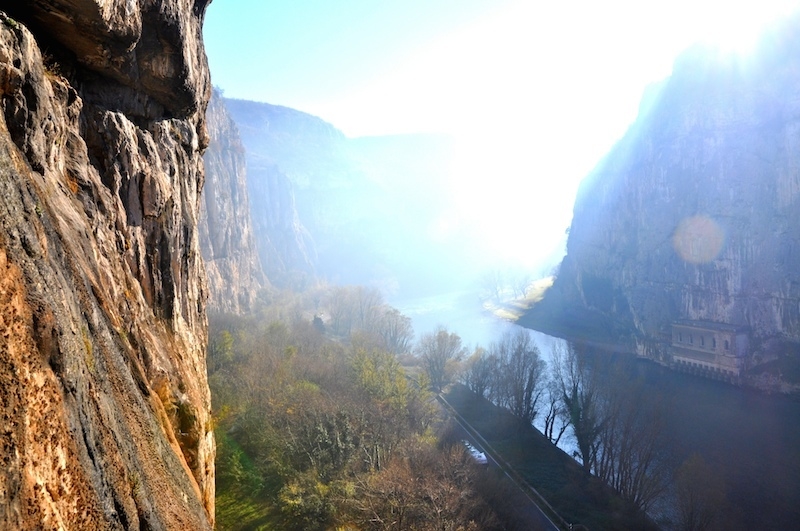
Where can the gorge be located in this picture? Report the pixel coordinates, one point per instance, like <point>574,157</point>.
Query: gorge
<point>134,198</point>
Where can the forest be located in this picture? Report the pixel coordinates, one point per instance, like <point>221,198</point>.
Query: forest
<point>319,426</point>
<point>326,418</point>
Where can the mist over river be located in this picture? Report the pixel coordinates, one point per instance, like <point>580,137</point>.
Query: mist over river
<point>752,440</point>
<point>461,312</point>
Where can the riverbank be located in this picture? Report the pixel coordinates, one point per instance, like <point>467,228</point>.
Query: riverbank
<point>780,375</point>
<point>575,495</point>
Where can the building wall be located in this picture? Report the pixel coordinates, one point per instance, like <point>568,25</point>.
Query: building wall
<point>715,351</point>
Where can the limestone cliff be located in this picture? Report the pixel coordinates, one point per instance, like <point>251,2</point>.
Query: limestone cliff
<point>227,242</point>
<point>103,393</point>
<point>285,246</point>
<point>695,213</point>
<point>285,150</point>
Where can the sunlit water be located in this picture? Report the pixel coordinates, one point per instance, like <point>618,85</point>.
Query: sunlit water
<point>461,312</point>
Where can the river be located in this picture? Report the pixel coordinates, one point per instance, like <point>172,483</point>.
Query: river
<point>751,439</point>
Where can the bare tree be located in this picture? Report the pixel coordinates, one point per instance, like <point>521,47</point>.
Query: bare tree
<point>617,424</point>
<point>492,285</point>
<point>354,308</point>
<point>438,351</point>
<point>367,304</point>
<point>520,285</point>
<point>554,413</point>
<point>521,373</point>
<point>396,331</point>
<point>480,373</point>
<point>630,456</point>
<point>579,396</point>
<point>425,489</point>
<point>340,308</point>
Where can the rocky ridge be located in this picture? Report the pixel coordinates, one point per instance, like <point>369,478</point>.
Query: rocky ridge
<point>694,213</point>
<point>103,393</point>
<point>324,205</point>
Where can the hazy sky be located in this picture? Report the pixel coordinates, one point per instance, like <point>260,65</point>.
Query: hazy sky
<point>536,91</point>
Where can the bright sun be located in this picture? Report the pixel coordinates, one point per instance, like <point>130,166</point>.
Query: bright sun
<point>536,96</point>
<point>735,27</point>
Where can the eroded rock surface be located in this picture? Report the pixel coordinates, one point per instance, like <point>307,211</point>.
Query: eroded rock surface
<point>103,394</point>
<point>280,141</point>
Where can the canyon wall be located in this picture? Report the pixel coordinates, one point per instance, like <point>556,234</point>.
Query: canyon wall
<point>103,394</point>
<point>366,210</point>
<point>695,213</point>
<point>227,241</point>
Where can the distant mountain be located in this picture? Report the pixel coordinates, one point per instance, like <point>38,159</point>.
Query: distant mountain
<point>695,213</point>
<point>369,204</point>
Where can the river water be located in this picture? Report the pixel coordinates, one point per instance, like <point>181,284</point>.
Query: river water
<point>751,439</point>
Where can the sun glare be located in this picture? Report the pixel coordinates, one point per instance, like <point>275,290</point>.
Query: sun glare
<point>736,27</point>
<point>535,96</point>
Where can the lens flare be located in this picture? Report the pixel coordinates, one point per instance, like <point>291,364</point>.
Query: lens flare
<point>698,239</point>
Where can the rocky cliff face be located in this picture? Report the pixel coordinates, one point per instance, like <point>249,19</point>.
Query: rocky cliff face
<point>227,242</point>
<point>285,151</point>
<point>103,393</point>
<point>285,246</point>
<point>695,214</point>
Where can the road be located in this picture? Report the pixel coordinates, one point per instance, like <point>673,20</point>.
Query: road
<point>534,516</point>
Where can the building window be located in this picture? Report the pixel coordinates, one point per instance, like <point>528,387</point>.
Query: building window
<point>680,337</point>
<point>691,339</point>
<point>702,341</point>
<point>714,343</point>
<point>727,345</point>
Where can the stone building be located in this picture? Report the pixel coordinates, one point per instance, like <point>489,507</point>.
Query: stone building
<point>716,350</point>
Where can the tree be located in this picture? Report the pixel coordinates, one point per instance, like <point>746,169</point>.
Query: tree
<point>437,351</point>
<point>340,307</point>
<point>631,440</point>
<point>554,413</point>
<point>367,304</point>
<point>423,488</point>
<point>220,350</point>
<point>396,331</point>
<point>521,373</point>
<point>492,285</point>
<point>480,373</point>
<point>616,422</point>
<point>579,395</point>
<point>520,284</point>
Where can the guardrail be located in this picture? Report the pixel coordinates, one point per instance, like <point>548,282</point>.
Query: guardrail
<point>539,500</point>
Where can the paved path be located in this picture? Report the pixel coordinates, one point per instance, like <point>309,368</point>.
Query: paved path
<point>539,521</point>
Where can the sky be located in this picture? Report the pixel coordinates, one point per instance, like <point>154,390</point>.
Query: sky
<point>535,92</point>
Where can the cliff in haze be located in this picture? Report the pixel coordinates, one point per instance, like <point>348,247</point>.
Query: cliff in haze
<point>103,395</point>
<point>366,210</point>
<point>277,143</point>
<point>227,242</point>
<point>695,213</point>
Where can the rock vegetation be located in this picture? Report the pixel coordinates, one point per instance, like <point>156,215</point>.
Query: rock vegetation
<point>103,394</point>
